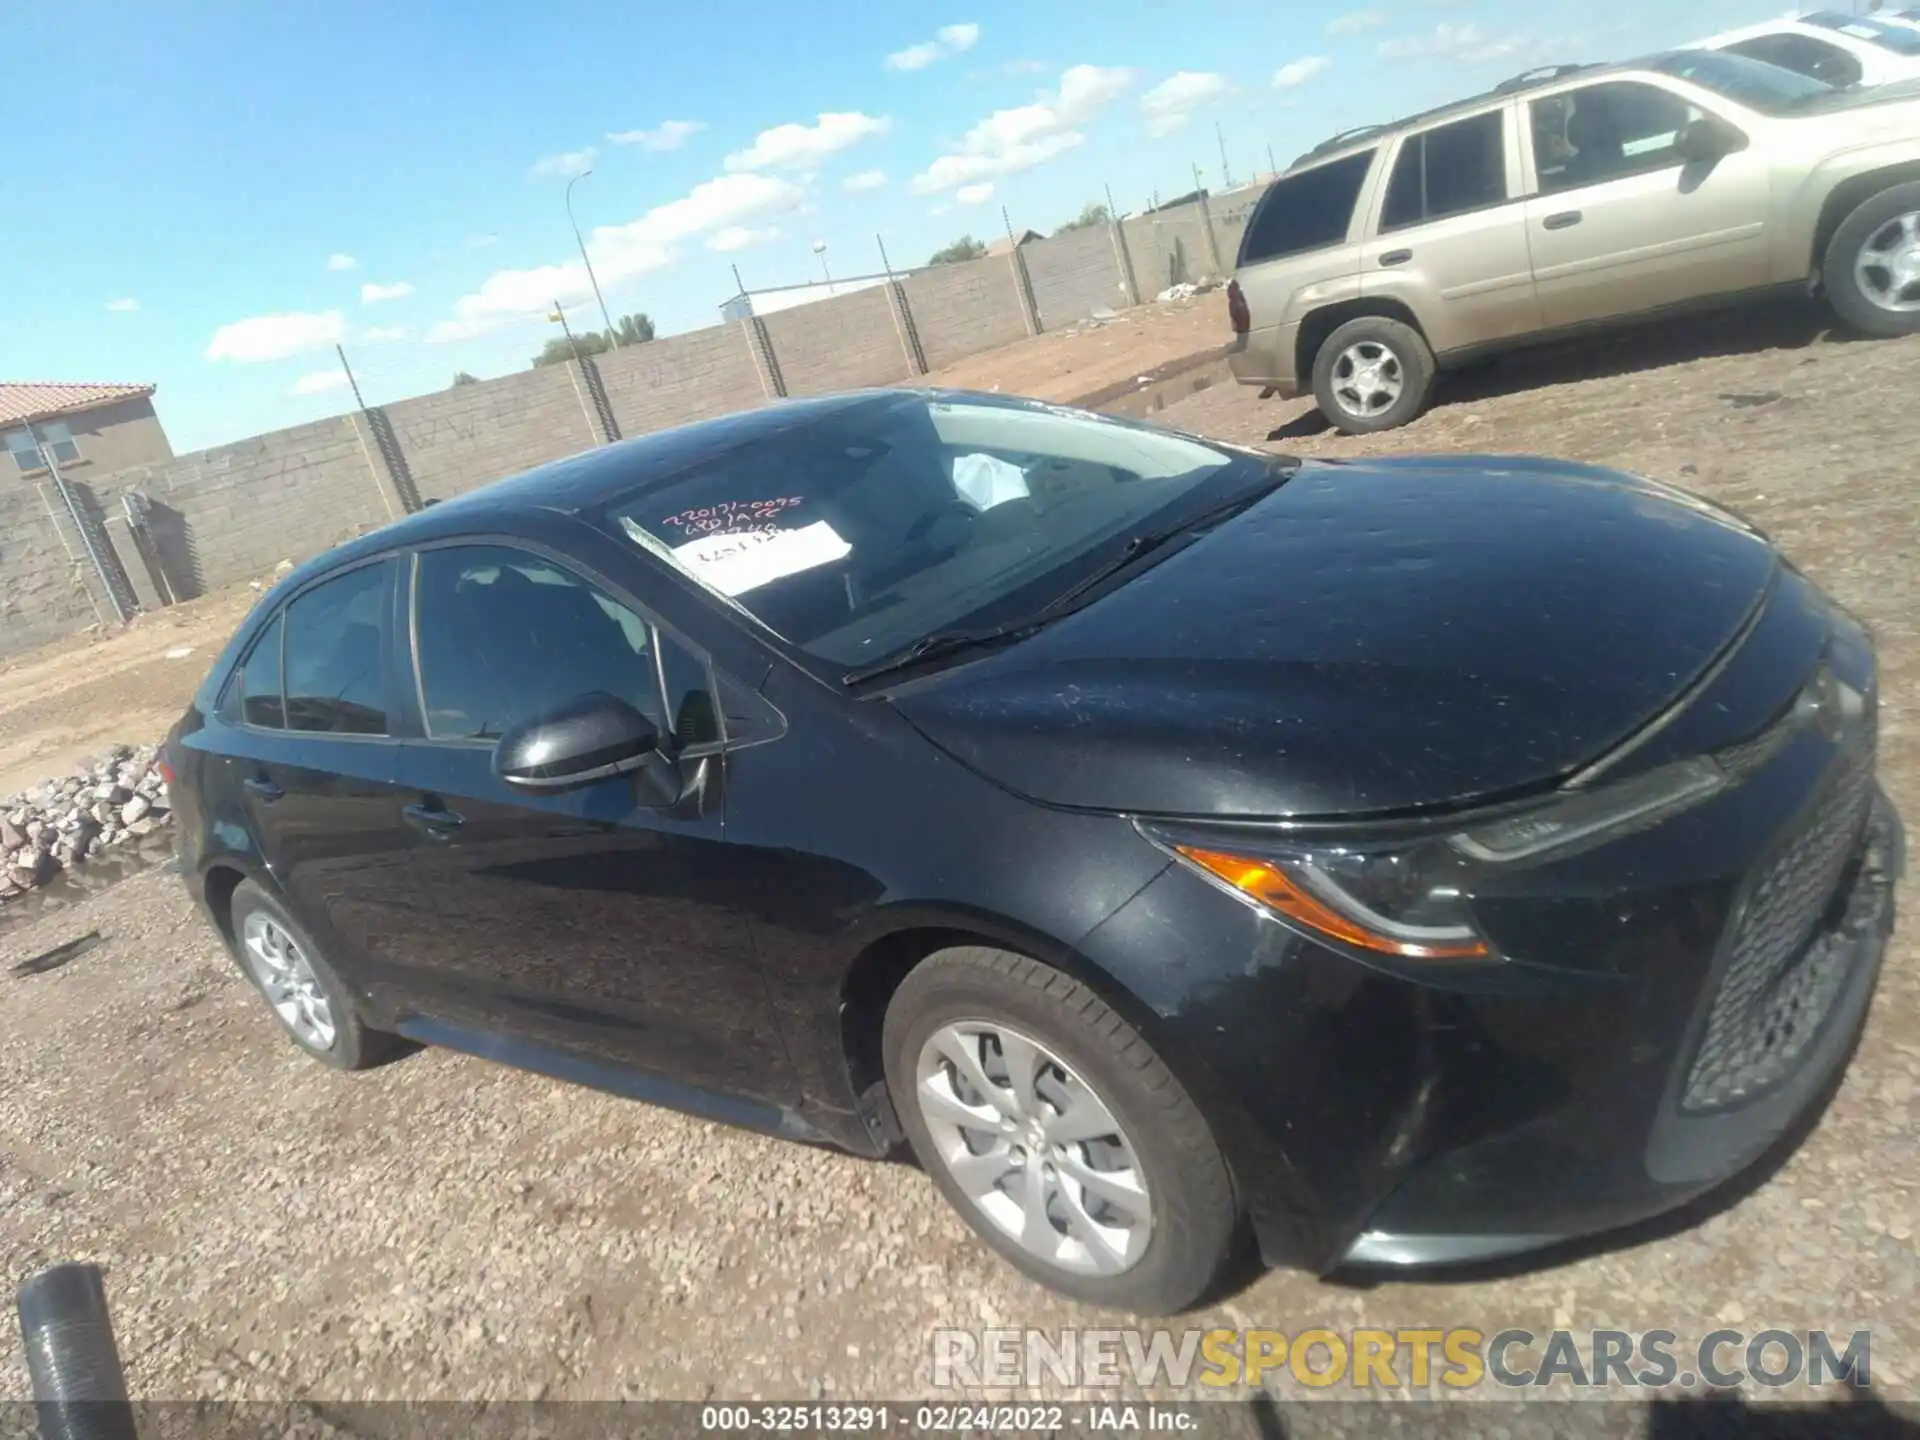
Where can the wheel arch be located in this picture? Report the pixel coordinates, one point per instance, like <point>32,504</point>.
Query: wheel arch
<point>1848,196</point>
<point>1318,324</point>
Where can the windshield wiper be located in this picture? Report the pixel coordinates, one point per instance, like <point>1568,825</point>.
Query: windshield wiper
<point>1142,544</point>
<point>941,642</point>
<point>946,642</point>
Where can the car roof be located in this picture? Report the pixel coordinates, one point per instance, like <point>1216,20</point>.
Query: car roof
<point>1530,82</point>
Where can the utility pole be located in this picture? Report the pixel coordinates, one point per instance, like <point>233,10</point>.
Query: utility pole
<point>566,330</point>
<point>1113,215</point>
<point>613,336</point>
<point>359,404</point>
<point>1226,175</point>
<point>1198,182</point>
<point>1272,169</point>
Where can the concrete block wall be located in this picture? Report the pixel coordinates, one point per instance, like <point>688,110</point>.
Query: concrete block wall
<point>845,343</point>
<point>43,587</point>
<point>680,378</point>
<point>460,438</point>
<point>286,495</point>
<point>1075,274</point>
<point>963,309</point>
<point>1170,246</point>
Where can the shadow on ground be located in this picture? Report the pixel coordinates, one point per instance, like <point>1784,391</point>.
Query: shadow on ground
<point>1776,325</point>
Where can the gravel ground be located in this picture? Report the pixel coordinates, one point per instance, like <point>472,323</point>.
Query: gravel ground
<point>445,1228</point>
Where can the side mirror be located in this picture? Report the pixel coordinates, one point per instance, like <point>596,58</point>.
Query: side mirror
<point>1708,139</point>
<point>587,738</point>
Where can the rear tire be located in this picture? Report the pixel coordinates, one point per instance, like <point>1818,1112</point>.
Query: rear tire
<point>1140,1216</point>
<point>1868,257</point>
<point>306,995</point>
<point>1373,374</point>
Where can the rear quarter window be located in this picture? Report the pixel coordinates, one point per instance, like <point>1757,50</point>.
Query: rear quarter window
<point>1309,210</point>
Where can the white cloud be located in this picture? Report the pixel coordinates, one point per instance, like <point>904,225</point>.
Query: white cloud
<point>567,162</point>
<point>275,337</point>
<point>865,180</point>
<point>950,40</point>
<point>1027,135</point>
<point>974,194</point>
<point>123,307</point>
<point>740,237</point>
<point>338,261</point>
<point>668,135</point>
<point>621,252</point>
<point>1354,21</point>
<point>1170,104</point>
<point>371,294</point>
<point>1014,69</point>
<point>318,383</point>
<point>1466,43</point>
<point>382,334</point>
<point>482,240</point>
<point>1298,72</point>
<point>790,146</point>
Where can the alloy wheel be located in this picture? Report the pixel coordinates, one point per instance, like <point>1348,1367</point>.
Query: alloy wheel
<point>1034,1147</point>
<point>1887,269</point>
<point>286,978</point>
<point>1367,379</point>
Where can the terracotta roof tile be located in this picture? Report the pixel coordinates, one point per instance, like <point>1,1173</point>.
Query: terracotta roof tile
<point>34,400</point>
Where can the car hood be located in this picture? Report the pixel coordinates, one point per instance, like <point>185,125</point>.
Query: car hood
<point>1372,637</point>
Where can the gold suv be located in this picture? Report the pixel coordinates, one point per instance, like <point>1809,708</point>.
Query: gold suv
<point>1570,199</point>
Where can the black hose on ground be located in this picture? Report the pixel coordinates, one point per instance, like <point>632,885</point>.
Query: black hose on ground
<point>78,1386</point>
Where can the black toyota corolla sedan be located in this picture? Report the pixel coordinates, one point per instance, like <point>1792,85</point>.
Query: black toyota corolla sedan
<point>1398,862</point>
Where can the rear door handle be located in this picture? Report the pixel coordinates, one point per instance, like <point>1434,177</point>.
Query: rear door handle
<point>1396,257</point>
<point>435,819</point>
<point>1561,221</point>
<point>263,789</point>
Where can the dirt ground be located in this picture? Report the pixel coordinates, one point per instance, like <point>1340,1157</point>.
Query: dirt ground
<point>446,1228</point>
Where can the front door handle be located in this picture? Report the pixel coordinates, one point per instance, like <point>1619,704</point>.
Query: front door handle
<point>1562,220</point>
<point>263,789</point>
<point>1396,257</point>
<point>434,818</point>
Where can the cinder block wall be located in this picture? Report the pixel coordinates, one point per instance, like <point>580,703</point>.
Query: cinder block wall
<point>841,344</point>
<point>966,308</point>
<point>460,438</point>
<point>286,495</point>
<point>681,378</point>
<point>43,590</point>
<point>1075,274</point>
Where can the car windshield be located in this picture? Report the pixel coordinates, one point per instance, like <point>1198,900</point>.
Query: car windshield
<point>1755,84</point>
<point>859,535</point>
<point>1897,38</point>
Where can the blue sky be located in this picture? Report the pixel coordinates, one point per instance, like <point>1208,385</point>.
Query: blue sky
<point>210,195</point>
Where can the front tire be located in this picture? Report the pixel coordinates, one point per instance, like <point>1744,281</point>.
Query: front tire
<point>1872,266</point>
<point>1373,374</point>
<point>1057,1133</point>
<point>314,1007</point>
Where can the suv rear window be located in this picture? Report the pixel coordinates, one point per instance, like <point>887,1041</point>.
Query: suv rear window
<point>1306,211</point>
<point>1803,55</point>
<point>1897,38</point>
<point>1448,170</point>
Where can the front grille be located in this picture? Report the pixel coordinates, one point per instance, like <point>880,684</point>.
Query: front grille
<point>1781,978</point>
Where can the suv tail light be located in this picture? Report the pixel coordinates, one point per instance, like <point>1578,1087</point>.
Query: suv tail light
<point>1237,312</point>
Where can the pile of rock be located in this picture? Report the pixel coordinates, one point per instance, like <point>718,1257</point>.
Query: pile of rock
<point>111,801</point>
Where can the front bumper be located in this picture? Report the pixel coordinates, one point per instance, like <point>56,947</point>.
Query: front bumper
<point>1514,1192</point>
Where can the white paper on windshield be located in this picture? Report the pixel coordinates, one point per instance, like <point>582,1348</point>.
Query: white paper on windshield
<point>735,564</point>
<point>984,481</point>
<point>1860,32</point>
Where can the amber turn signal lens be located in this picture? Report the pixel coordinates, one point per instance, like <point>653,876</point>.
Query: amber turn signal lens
<point>1273,887</point>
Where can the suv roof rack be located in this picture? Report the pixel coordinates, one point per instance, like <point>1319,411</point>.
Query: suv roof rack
<point>1538,76</point>
<point>1334,142</point>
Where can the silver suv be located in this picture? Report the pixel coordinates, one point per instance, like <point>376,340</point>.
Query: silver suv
<point>1571,199</point>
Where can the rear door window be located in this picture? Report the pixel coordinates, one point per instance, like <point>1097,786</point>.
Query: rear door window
<point>1307,211</point>
<point>1448,170</point>
<point>336,654</point>
<point>254,695</point>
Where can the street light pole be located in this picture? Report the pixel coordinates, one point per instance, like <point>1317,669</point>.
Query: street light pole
<point>613,336</point>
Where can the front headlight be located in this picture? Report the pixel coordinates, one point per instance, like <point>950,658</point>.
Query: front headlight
<point>1409,899</point>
